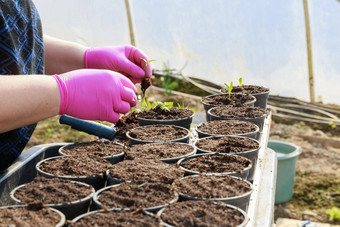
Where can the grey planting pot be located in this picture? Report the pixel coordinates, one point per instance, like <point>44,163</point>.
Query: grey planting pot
<point>251,154</point>
<point>243,224</point>
<point>243,174</point>
<point>61,223</point>
<point>98,204</point>
<point>182,122</point>
<point>133,141</point>
<point>113,159</point>
<point>70,210</point>
<point>259,121</point>
<point>241,201</point>
<point>254,135</point>
<point>261,99</point>
<point>96,181</point>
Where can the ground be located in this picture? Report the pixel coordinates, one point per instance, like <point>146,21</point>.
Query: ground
<point>317,181</point>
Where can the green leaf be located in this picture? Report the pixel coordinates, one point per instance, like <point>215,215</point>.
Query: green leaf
<point>230,88</point>
<point>240,82</point>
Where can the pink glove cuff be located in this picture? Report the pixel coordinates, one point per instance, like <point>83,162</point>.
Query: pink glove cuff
<point>63,93</point>
<point>85,58</point>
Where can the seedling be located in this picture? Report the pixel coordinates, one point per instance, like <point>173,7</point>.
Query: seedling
<point>185,107</point>
<point>229,88</point>
<point>146,62</point>
<point>146,105</point>
<point>145,83</point>
<point>240,82</point>
<point>334,214</point>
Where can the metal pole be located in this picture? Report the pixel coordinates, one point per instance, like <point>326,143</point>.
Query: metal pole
<point>128,12</point>
<point>309,51</point>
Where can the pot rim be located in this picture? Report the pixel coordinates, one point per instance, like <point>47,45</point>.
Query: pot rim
<point>245,221</point>
<point>61,215</point>
<point>210,137</point>
<point>228,118</point>
<point>12,195</point>
<point>97,195</point>
<point>260,93</point>
<point>167,120</point>
<point>219,199</point>
<point>214,173</point>
<point>158,141</point>
<point>217,135</point>
<point>222,94</point>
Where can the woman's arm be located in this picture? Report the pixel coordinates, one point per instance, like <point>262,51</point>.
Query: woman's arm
<point>26,100</point>
<point>62,56</point>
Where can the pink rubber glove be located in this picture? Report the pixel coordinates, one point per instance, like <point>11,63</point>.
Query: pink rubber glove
<point>93,94</point>
<point>123,59</point>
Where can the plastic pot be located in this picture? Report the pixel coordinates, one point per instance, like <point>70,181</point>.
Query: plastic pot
<point>96,181</point>
<point>113,159</point>
<point>251,154</point>
<point>98,204</point>
<point>209,106</point>
<point>259,121</point>
<point>287,155</point>
<point>61,223</point>
<point>243,174</point>
<point>241,201</point>
<point>245,221</point>
<point>261,99</point>
<point>254,135</point>
<point>134,141</point>
<point>182,122</point>
<point>70,210</point>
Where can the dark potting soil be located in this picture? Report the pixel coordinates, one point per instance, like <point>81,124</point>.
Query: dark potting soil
<point>145,170</point>
<point>27,216</point>
<point>134,196</point>
<point>238,112</point>
<point>109,219</point>
<point>210,186</point>
<point>236,99</point>
<point>250,89</point>
<point>227,127</point>
<point>159,150</point>
<point>227,144</point>
<point>193,213</point>
<point>216,163</point>
<point>158,133</point>
<point>145,85</point>
<point>124,124</point>
<point>52,191</point>
<point>76,166</point>
<point>157,113</point>
<point>95,148</point>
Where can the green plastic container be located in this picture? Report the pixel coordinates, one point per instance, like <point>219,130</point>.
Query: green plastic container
<point>287,154</point>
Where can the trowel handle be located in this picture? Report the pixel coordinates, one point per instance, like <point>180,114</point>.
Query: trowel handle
<point>90,127</point>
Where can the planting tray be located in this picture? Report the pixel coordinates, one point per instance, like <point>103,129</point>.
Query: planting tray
<point>261,205</point>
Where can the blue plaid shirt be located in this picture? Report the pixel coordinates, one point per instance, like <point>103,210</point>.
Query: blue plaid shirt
<point>21,53</point>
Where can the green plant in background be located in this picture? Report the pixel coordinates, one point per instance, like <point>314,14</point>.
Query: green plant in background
<point>334,214</point>
<point>228,88</point>
<point>331,124</point>
<point>168,82</point>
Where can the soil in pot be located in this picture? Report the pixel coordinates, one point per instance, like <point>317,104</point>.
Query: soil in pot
<point>243,112</point>
<point>211,186</point>
<point>138,219</point>
<point>227,127</point>
<point>215,163</point>
<point>157,113</point>
<point>145,170</point>
<point>159,151</point>
<point>124,124</point>
<point>248,89</point>
<point>236,99</point>
<point>31,215</point>
<point>202,213</point>
<point>95,148</point>
<point>52,191</point>
<point>135,196</point>
<point>227,144</point>
<point>158,133</point>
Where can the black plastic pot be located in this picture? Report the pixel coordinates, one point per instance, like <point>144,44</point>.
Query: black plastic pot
<point>70,210</point>
<point>61,223</point>
<point>113,159</point>
<point>209,106</point>
<point>133,141</point>
<point>245,221</point>
<point>243,174</point>
<point>150,209</point>
<point>183,122</point>
<point>251,154</point>
<point>97,182</point>
<point>241,201</point>
<point>259,121</point>
<point>254,135</point>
